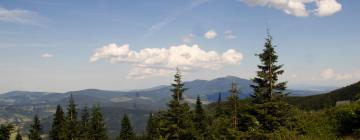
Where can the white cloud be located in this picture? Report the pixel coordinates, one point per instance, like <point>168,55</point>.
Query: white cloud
<point>330,74</point>
<point>211,34</point>
<point>229,35</point>
<point>189,38</point>
<point>19,16</point>
<point>299,7</point>
<point>327,74</point>
<point>327,7</point>
<point>46,55</point>
<point>162,61</point>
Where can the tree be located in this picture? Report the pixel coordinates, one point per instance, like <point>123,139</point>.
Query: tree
<point>5,131</point>
<point>270,111</point>
<point>18,136</point>
<point>177,118</point>
<point>234,104</point>
<point>97,124</point>
<point>200,118</point>
<point>152,128</point>
<point>126,132</point>
<point>266,87</point>
<point>35,129</point>
<point>85,129</point>
<point>71,120</point>
<point>218,110</point>
<point>58,131</point>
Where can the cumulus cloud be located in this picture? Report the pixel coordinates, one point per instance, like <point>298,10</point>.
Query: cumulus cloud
<point>211,34</point>
<point>327,7</point>
<point>327,74</point>
<point>19,16</point>
<point>299,7</point>
<point>330,74</point>
<point>46,55</point>
<point>229,35</point>
<point>162,61</point>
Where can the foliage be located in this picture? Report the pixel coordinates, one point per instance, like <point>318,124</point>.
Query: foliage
<point>152,127</point>
<point>58,131</point>
<point>35,129</point>
<point>97,125</point>
<point>71,124</point>
<point>126,132</point>
<point>5,131</point>
<point>18,136</point>
<point>85,124</point>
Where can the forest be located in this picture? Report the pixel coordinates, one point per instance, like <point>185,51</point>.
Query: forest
<point>270,113</point>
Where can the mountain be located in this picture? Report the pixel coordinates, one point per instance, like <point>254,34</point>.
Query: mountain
<point>320,101</point>
<point>20,106</point>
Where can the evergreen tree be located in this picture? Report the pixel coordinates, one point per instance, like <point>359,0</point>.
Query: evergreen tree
<point>5,131</point>
<point>270,111</point>
<point>152,128</point>
<point>126,132</point>
<point>97,124</point>
<point>218,110</point>
<point>35,129</point>
<point>85,129</point>
<point>57,131</point>
<point>71,120</point>
<point>177,118</point>
<point>18,136</point>
<point>200,118</point>
<point>234,104</point>
<point>266,87</point>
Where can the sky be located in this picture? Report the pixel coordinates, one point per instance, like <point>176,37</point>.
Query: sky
<point>64,45</point>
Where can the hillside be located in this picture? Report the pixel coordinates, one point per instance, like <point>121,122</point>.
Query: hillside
<point>20,106</point>
<point>320,101</point>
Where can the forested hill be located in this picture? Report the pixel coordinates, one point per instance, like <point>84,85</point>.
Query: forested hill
<point>320,101</point>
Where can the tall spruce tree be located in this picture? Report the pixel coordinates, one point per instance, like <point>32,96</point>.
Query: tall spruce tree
<point>126,132</point>
<point>234,104</point>
<point>18,136</point>
<point>85,129</point>
<point>71,120</point>
<point>266,87</point>
<point>200,118</point>
<point>58,131</point>
<point>177,118</point>
<point>152,128</point>
<point>35,129</point>
<point>97,124</point>
<point>270,111</point>
<point>218,110</point>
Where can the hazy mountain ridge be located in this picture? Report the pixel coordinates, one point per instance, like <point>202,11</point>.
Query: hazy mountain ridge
<point>20,106</point>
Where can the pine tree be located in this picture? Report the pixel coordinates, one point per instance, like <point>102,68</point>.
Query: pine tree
<point>85,128</point>
<point>5,131</point>
<point>126,132</point>
<point>71,120</point>
<point>57,131</point>
<point>35,129</point>
<point>18,136</point>
<point>200,118</point>
<point>266,87</point>
<point>152,128</point>
<point>177,118</point>
<point>270,111</point>
<point>97,124</point>
<point>218,109</point>
<point>234,104</point>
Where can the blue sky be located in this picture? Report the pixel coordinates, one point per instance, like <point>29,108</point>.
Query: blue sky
<point>125,44</point>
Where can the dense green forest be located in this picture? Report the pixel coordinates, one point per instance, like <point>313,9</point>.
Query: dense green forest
<point>268,114</point>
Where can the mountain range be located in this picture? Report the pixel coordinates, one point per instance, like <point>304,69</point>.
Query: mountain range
<point>20,106</point>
